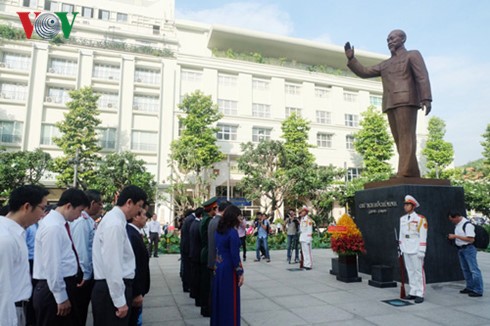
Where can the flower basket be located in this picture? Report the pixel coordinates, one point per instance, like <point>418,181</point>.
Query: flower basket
<point>347,242</point>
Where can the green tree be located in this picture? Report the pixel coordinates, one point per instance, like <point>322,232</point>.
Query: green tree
<point>263,166</point>
<point>117,170</point>
<point>374,143</point>
<point>486,149</point>
<point>78,132</point>
<point>299,165</point>
<point>20,168</point>
<point>195,152</point>
<point>439,153</point>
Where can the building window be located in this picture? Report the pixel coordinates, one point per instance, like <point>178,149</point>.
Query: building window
<point>290,111</point>
<point>63,67</point>
<point>13,91</point>
<point>58,95</point>
<point>376,100</point>
<point>108,100</point>
<point>67,7</point>
<point>323,117</point>
<point>107,138</point>
<point>147,76</point>
<point>351,120</point>
<point>144,141</point>
<point>16,61</point>
<point>51,5</point>
<point>156,30</point>
<point>104,14</point>
<point>353,173</point>
<point>106,71</point>
<point>146,103</point>
<point>87,12</point>
<point>181,128</point>
<point>226,132</point>
<point>350,97</point>
<point>30,3</point>
<point>261,134</point>
<point>321,92</point>
<point>228,107</point>
<point>11,132</point>
<point>261,110</point>
<point>48,132</point>
<point>349,142</point>
<point>121,17</point>
<point>191,76</point>
<point>260,84</point>
<point>227,80</point>
<point>324,140</point>
<point>292,89</point>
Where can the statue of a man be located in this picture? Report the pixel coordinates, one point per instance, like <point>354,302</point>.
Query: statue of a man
<point>406,88</point>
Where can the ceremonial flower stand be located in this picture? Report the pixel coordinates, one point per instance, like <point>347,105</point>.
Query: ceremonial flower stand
<point>347,269</point>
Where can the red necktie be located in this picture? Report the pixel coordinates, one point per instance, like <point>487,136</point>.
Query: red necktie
<point>67,227</point>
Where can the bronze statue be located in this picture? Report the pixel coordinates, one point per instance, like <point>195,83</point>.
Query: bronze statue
<point>406,88</point>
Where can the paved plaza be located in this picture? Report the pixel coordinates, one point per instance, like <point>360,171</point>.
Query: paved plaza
<point>274,295</point>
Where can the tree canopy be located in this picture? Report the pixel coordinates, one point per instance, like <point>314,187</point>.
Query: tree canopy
<point>439,153</point>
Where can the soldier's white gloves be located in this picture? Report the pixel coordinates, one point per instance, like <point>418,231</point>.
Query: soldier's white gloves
<point>421,254</point>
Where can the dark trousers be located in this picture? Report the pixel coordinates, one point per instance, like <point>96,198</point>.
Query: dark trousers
<point>103,309</point>
<point>186,272</point>
<point>30,314</point>
<point>46,307</point>
<point>135,313</point>
<point>195,279</point>
<point>243,242</point>
<point>154,239</point>
<point>84,294</point>
<point>205,290</point>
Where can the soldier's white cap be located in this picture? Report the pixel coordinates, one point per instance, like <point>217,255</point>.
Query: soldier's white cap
<point>410,200</point>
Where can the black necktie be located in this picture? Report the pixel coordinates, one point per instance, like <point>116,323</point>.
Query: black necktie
<point>408,218</point>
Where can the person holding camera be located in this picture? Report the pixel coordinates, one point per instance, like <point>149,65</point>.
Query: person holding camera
<point>292,227</point>
<point>262,237</point>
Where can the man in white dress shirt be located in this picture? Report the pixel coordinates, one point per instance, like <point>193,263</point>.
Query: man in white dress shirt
<point>26,207</point>
<point>56,264</point>
<point>155,231</point>
<point>114,261</point>
<point>83,232</point>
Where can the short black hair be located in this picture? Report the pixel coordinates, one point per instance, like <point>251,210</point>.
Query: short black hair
<point>74,197</point>
<point>454,213</point>
<point>31,194</point>
<point>223,206</point>
<point>4,210</point>
<point>198,212</point>
<point>134,193</point>
<point>93,195</point>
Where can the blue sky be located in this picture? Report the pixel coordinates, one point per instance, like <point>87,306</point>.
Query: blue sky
<point>451,35</point>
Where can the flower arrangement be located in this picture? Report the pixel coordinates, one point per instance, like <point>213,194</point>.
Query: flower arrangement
<point>348,239</point>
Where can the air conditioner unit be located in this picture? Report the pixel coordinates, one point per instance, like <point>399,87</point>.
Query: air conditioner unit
<point>3,95</point>
<point>49,99</point>
<point>135,107</point>
<point>111,77</point>
<point>138,80</point>
<point>51,70</point>
<point>3,65</point>
<point>109,105</point>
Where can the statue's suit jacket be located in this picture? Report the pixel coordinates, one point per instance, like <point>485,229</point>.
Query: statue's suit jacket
<point>404,76</point>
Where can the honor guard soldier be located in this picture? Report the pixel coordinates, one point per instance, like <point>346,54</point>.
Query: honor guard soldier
<point>413,244</point>
<point>305,237</point>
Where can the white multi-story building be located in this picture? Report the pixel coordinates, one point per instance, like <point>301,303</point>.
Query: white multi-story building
<point>143,62</point>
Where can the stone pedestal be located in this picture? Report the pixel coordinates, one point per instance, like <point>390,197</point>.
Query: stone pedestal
<point>377,213</point>
<point>348,269</point>
<point>382,277</point>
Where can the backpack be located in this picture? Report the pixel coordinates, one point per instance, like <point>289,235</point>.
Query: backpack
<point>481,236</point>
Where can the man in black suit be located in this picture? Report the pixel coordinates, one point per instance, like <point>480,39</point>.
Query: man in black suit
<point>184,249</point>
<point>195,256</point>
<point>141,283</point>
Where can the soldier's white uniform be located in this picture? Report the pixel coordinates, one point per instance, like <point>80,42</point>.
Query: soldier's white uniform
<point>413,244</point>
<point>305,238</point>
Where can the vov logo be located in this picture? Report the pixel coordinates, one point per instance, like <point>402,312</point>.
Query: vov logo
<point>47,24</point>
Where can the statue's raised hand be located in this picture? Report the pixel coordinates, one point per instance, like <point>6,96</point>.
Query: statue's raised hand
<point>349,51</point>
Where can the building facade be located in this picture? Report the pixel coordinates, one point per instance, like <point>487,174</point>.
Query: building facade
<point>142,62</point>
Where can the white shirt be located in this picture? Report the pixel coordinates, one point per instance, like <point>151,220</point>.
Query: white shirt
<point>154,227</point>
<point>113,256</point>
<point>306,228</point>
<point>15,280</point>
<point>413,233</point>
<point>54,258</point>
<point>458,230</point>
<point>82,233</point>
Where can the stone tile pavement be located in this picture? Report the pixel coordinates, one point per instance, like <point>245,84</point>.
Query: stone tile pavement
<point>273,295</point>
